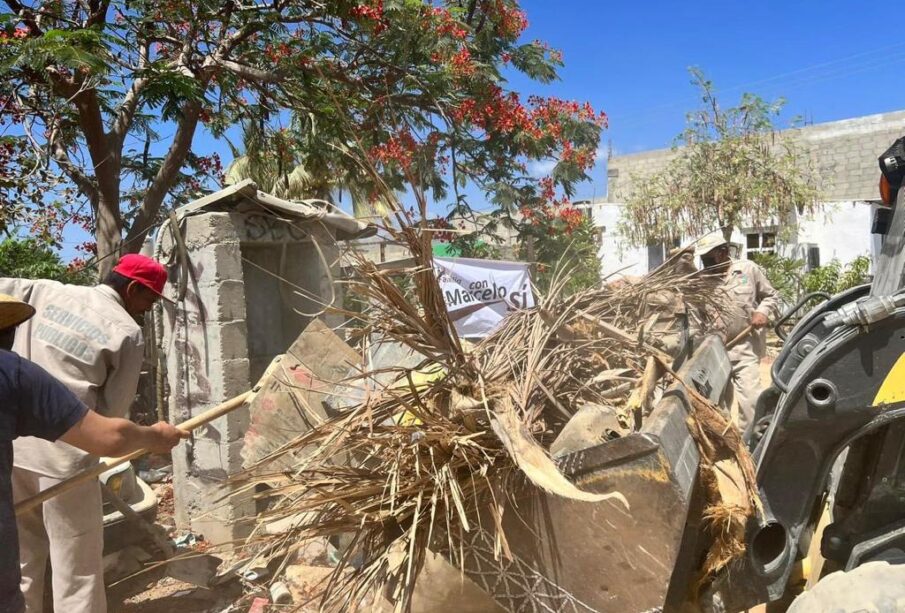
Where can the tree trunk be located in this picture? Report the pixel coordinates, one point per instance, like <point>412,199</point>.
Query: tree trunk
<point>727,232</point>
<point>109,233</point>
<point>167,175</point>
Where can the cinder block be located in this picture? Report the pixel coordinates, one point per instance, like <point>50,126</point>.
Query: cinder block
<point>220,530</point>
<point>189,494</point>
<point>227,340</point>
<point>208,229</point>
<point>212,456</point>
<point>215,262</point>
<point>233,376</point>
<point>228,258</point>
<point>207,456</point>
<point>226,521</point>
<point>224,301</point>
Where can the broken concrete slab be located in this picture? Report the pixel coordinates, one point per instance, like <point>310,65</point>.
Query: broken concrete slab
<point>290,402</point>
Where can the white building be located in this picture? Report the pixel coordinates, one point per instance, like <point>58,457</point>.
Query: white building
<point>845,155</point>
<point>839,230</point>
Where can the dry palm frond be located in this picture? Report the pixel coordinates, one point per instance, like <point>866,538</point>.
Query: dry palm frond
<point>419,461</point>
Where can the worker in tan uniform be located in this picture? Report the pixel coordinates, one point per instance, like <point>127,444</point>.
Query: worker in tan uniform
<point>32,403</point>
<point>752,301</point>
<point>88,338</point>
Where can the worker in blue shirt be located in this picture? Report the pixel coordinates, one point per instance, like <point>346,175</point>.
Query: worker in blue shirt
<point>32,403</point>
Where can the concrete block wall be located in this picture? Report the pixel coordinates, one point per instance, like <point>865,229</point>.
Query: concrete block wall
<point>230,323</point>
<point>205,342</point>
<point>844,153</point>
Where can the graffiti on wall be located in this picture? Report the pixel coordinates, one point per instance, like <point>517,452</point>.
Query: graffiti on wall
<point>266,227</point>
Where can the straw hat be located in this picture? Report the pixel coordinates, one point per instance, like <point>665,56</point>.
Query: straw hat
<point>13,311</point>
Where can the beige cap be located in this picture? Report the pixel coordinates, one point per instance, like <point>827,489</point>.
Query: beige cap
<point>13,311</point>
<point>709,242</point>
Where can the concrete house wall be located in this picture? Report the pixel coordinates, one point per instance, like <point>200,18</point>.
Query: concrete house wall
<point>844,153</point>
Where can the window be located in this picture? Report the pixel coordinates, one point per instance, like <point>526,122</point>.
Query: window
<point>657,253</point>
<point>812,253</point>
<point>760,242</point>
<point>654,256</point>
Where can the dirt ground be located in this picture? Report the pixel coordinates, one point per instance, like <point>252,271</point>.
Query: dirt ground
<point>152,591</point>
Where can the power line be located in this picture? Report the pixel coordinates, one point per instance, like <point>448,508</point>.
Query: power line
<point>838,69</point>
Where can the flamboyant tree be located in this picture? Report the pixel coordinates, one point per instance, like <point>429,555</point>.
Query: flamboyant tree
<point>101,101</point>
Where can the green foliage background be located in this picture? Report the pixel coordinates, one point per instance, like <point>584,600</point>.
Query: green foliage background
<point>555,250</point>
<point>790,279</point>
<point>31,259</point>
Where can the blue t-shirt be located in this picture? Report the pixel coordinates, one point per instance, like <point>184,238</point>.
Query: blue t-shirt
<point>32,403</point>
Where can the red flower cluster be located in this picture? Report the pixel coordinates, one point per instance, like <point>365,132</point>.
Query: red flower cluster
<point>511,20</point>
<point>76,265</point>
<point>89,247</point>
<point>571,217</point>
<point>83,221</point>
<point>547,189</point>
<point>398,149</point>
<point>552,109</point>
<point>461,63</point>
<point>371,11</point>
<point>210,165</point>
<point>583,157</point>
<point>441,223</point>
<point>447,24</point>
<point>499,113</point>
<point>557,217</point>
<point>19,32</point>
<point>277,52</point>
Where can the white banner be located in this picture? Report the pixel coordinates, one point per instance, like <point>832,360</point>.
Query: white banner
<point>479,293</point>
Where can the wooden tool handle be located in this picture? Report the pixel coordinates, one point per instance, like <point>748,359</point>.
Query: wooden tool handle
<point>741,336</point>
<point>95,471</point>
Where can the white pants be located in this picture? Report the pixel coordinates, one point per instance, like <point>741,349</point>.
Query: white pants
<point>746,383</point>
<point>69,531</point>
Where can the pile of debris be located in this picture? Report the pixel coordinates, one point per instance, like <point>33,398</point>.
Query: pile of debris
<point>415,452</point>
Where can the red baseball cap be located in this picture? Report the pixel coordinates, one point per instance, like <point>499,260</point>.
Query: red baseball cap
<point>144,270</point>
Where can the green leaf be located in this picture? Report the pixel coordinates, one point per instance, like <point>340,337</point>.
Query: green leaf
<point>78,50</point>
<point>533,61</point>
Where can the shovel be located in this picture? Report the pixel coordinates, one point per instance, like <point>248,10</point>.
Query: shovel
<point>95,471</point>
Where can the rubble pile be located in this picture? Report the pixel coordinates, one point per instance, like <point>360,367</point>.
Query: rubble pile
<point>416,451</point>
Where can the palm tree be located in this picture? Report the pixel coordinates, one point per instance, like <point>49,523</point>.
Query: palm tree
<point>273,160</point>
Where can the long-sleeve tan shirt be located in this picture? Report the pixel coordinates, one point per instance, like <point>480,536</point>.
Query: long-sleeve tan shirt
<point>749,290</point>
<point>84,337</point>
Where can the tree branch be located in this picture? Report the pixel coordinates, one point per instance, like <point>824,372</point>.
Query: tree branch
<point>97,13</point>
<point>81,180</point>
<point>26,14</point>
<point>166,176</point>
<point>250,73</point>
<point>104,154</point>
<point>129,105</point>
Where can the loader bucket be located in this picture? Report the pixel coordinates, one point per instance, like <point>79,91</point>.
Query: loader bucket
<point>579,556</point>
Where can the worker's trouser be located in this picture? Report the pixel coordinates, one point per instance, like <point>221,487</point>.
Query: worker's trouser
<point>69,530</point>
<point>746,382</point>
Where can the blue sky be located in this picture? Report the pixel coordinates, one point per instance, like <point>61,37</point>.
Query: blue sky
<point>830,59</point>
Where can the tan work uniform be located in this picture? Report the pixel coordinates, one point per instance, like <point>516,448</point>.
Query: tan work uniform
<point>84,337</point>
<point>749,290</point>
